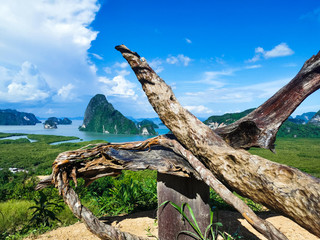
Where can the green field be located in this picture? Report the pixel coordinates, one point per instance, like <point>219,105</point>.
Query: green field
<point>301,153</point>
<point>130,192</point>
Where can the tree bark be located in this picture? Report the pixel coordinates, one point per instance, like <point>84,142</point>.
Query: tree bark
<point>103,231</point>
<point>109,159</point>
<point>284,189</point>
<point>260,127</point>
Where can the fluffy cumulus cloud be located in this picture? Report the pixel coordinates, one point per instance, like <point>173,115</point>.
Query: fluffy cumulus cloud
<point>118,85</point>
<point>280,50</point>
<point>25,85</point>
<point>44,48</point>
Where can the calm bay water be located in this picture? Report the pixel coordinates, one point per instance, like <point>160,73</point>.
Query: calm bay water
<point>72,130</point>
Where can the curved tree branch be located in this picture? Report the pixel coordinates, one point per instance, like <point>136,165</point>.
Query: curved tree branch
<point>284,189</point>
<point>260,127</point>
<point>109,159</point>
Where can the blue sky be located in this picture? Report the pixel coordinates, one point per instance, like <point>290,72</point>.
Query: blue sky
<point>218,56</point>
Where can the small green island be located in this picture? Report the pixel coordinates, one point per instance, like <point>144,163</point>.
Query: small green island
<point>101,116</point>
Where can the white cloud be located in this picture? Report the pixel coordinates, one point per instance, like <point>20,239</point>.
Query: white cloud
<point>188,40</point>
<point>121,65</point>
<point>180,59</point>
<point>26,85</point>
<point>107,70</point>
<point>52,35</point>
<point>97,56</point>
<point>280,50</point>
<point>253,66</point>
<point>118,86</point>
<point>65,93</point>
<point>156,65</point>
<point>213,77</point>
<point>198,109</point>
<point>122,72</point>
<point>242,94</point>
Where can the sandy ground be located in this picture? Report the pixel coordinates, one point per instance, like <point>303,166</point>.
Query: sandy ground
<point>139,223</point>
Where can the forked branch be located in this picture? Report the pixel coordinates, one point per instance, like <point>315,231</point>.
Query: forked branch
<point>284,189</point>
<point>166,156</point>
<point>260,127</point>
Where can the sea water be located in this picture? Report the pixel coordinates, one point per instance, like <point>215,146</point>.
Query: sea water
<point>72,130</point>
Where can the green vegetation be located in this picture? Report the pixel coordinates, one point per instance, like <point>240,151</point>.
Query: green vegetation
<point>4,135</point>
<point>13,117</point>
<point>290,129</point>
<point>228,118</point>
<point>127,193</point>
<point>130,192</point>
<point>44,212</point>
<point>301,153</point>
<point>34,157</point>
<point>211,232</point>
<point>149,125</point>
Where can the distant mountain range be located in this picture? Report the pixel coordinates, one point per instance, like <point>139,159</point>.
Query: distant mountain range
<point>305,125</point>
<point>13,117</point>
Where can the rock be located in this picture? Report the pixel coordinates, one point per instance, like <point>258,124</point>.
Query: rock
<point>100,116</point>
<point>50,124</point>
<point>14,117</point>
<point>306,117</point>
<point>146,127</point>
<point>60,121</point>
<point>315,120</point>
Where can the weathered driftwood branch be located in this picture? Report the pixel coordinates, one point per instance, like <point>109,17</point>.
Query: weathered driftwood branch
<point>103,231</point>
<point>260,127</point>
<point>284,189</point>
<point>110,160</point>
<point>261,225</point>
<point>166,155</point>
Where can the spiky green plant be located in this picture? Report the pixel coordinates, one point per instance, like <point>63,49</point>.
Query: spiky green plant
<point>212,230</point>
<point>44,211</point>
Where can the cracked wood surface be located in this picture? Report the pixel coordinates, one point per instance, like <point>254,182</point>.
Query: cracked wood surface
<point>283,189</point>
<point>110,159</point>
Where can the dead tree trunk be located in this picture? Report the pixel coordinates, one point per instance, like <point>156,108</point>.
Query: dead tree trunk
<point>281,188</point>
<point>195,151</point>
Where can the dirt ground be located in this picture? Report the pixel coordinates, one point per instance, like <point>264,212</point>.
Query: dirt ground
<point>139,223</point>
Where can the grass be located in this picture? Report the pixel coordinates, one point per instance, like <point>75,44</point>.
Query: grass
<point>132,191</point>
<point>303,153</point>
<point>4,135</point>
<point>14,214</point>
<point>36,157</point>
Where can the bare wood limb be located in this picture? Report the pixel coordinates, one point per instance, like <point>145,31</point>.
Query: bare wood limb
<point>261,225</point>
<point>103,231</point>
<point>89,164</point>
<point>111,159</point>
<point>259,128</point>
<point>284,189</point>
